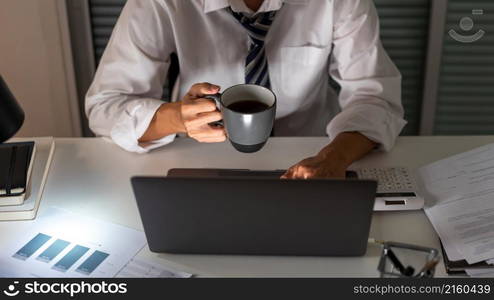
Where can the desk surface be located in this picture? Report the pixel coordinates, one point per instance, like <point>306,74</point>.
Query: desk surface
<point>92,177</point>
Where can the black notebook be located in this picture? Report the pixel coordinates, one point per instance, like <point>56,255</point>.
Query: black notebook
<point>458,267</point>
<point>15,169</point>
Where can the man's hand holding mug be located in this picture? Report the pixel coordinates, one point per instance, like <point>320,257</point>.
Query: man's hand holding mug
<point>192,116</point>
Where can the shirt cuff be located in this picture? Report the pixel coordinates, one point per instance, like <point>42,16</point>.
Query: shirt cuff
<point>134,122</point>
<point>376,124</point>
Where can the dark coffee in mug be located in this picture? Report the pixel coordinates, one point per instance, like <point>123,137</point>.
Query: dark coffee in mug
<point>248,106</point>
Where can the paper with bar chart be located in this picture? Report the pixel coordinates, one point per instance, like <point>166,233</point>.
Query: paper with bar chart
<point>63,244</point>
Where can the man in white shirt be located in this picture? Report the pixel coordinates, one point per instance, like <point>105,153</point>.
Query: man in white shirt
<point>304,44</point>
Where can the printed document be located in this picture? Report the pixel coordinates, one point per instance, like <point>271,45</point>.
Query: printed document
<point>459,194</point>
<point>64,244</point>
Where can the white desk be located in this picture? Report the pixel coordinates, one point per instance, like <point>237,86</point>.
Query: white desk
<point>91,176</point>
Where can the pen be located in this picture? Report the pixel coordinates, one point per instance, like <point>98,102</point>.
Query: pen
<point>427,269</point>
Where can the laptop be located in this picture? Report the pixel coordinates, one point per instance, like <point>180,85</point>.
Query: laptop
<point>255,216</point>
<point>396,186</point>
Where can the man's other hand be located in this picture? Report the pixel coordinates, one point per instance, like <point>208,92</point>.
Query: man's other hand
<point>316,167</point>
<point>333,160</point>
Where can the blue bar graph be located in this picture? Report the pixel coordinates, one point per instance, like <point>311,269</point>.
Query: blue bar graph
<point>70,258</point>
<point>32,246</point>
<point>52,251</point>
<point>92,262</point>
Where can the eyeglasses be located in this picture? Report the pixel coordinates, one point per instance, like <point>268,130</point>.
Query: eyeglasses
<point>406,261</point>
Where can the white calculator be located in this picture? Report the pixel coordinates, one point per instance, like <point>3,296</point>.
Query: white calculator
<point>396,188</point>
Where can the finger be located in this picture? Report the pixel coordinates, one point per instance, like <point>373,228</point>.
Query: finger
<point>302,173</point>
<point>288,174</point>
<point>207,132</point>
<point>308,174</point>
<point>204,105</point>
<point>214,132</point>
<point>217,139</point>
<point>201,89</point>
<point>203,118</point>
<point>297,175</point>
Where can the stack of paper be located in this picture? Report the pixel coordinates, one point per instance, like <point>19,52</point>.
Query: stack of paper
<point>459,194</point>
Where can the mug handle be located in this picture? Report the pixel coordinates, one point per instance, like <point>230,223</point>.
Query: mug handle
<point>216,98</point>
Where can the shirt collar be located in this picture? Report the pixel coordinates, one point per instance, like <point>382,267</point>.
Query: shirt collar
<point>239,5</point>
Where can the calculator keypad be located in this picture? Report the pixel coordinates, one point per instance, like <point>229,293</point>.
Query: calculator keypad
<point>389,179</point>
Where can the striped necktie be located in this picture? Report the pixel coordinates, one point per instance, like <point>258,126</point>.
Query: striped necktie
<point>256,64</point>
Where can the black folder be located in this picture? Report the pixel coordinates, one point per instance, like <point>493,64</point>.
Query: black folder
<point>458,267</point>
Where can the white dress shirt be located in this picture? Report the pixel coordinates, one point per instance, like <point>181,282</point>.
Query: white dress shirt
<point>308,42</point>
